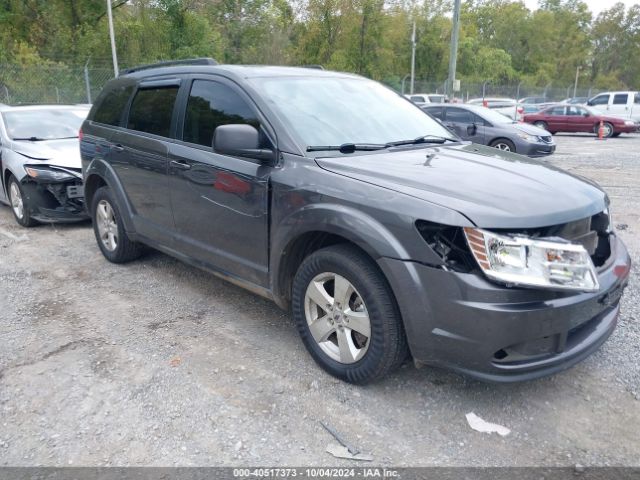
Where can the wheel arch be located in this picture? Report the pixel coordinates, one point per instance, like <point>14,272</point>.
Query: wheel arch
<point>98,174</point>
<point>496,139</point>
<point>317,227</point>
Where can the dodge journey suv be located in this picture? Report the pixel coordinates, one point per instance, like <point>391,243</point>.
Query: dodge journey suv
<point>384,233</point>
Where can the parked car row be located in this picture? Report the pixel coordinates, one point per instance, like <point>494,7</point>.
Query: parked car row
<point>619,111</point>
<point>382,231</point>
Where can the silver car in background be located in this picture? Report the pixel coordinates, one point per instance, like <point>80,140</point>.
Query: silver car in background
<point>40,163</point>
<point>488,127</point>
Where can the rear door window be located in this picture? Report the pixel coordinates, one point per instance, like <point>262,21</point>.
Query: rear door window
<point>110,108</point>
<point>152,109</point>
<point>556,111</point>
<point>637,99</point>
<point>620,98</point>
<point>210,105</point>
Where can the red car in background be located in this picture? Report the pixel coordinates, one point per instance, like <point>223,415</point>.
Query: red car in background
<point>579,118</point>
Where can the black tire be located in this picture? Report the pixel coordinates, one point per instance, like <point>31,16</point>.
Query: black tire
<point>499,142</point>
<point>25,220</point>
<point>616,134</point>
<point>608,130</point>
<point>541,124</point>
<point>386,346</point>
<point>124,249</point>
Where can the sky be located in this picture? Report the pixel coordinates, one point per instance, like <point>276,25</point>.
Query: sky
<point>596,6</point>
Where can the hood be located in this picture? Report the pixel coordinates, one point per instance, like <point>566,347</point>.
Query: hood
<point>531,129</point>
<point>63,153</point>
<point>493,189</point>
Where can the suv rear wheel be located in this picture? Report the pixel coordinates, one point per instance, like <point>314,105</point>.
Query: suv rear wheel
<point>109,229</point>
<point>347,315</point>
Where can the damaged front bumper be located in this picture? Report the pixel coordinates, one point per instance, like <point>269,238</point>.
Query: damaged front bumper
<point>466,323</point>
<point>54,194</point>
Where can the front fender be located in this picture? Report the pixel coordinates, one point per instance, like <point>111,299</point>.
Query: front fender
<point>99,168</point>
<point>350,223</point>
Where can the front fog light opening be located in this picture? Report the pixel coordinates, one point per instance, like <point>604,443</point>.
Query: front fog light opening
<point>524,261</point>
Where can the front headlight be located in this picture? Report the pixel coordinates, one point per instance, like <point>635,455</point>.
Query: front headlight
<point>524,261</point>
<point>629,122</point>
<point>45,174</point>
<point>528,138</point>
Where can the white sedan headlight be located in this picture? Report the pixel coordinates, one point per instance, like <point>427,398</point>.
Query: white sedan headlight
<point>521,260</point>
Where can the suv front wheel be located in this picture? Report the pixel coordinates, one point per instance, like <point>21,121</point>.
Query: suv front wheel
<point>347,315</point>
<point>109,229</point>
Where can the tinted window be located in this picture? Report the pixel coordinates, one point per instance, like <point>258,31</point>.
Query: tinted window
<point>109,109</point>
<point>151,110</point>
<point>620,98</point>
<point>435,112</point>
<point>575,111</point>
<point>555,111</point>
<point>600,100</point>
<point>417,98</point>
<point>637,99</point>
<point>458,115</point>
<point>210,105</point>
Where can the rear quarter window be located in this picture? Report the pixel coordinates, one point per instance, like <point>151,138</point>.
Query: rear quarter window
<point>110,107</point>
<point>152,109</point>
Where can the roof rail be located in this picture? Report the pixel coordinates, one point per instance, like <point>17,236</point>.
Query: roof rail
<point>171,63</point>
<point>317,67</point>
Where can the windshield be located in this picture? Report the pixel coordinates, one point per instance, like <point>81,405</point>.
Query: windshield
<point>44,124</point>
<point>335,111</point>
<point>491,116</point>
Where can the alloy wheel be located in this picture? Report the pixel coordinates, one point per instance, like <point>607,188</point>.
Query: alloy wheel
<point>503,146</point>
<point>16,200</point>
<point>337,317</point>
<point>107,225</point>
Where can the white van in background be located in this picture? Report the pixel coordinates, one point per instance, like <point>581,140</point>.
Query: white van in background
<point>618,104</point>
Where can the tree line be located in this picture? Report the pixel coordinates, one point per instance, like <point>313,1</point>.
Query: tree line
<point>501,41</point>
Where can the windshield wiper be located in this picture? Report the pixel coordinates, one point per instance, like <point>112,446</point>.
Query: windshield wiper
<point>31,139</point>
<point>347,147</point>
<point>424,139</point>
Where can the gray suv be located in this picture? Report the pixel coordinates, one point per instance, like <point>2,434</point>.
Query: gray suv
<point>335,197</point>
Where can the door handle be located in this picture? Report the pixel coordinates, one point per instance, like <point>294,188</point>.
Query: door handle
<point>180,165</point>
<point>117,148</point>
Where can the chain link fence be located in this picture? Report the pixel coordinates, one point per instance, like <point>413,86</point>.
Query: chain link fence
<point>550,92</point>
<point>62,84</point>
<point>51,84</point>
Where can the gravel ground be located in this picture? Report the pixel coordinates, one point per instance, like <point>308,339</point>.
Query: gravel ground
<point>157,363</point>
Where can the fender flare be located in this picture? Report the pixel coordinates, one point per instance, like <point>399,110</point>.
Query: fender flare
<point>103,170</point>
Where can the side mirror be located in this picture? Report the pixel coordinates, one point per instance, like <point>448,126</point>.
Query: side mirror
<point>472,129</point>
<point>240,140</point>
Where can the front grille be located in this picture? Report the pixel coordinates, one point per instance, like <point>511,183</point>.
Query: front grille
<point>546,138</point>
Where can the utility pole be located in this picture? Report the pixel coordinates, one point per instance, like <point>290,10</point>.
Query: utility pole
<point>575,85</point>
<point>87,82</point>
<point>413,57</point>
<point>114,54</point>
<point>453,56</point>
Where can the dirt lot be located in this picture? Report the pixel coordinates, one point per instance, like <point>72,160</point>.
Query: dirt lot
<point>157,363</point>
